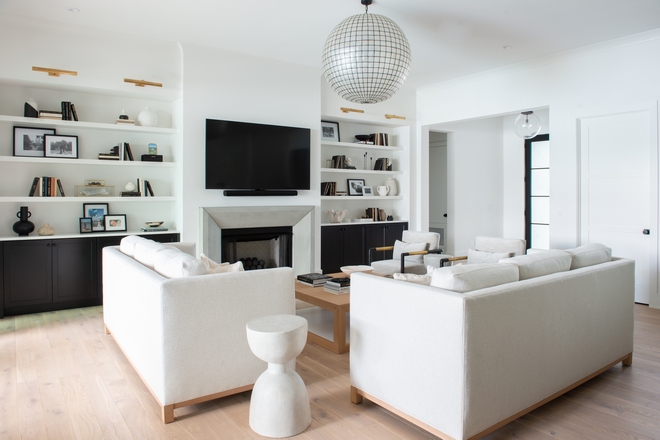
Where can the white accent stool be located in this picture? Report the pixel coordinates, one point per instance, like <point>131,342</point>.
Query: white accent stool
<point>279,406</point>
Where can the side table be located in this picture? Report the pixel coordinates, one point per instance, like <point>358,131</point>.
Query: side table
<point>279,406</point>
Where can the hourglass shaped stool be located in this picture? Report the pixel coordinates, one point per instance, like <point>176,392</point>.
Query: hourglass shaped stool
<point>279,406</point>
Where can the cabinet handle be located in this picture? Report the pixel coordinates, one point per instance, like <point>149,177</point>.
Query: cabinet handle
<point>48,245</point>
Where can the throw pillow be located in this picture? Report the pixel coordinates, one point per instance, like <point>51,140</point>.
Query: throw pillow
<point>476,256</point>
<point>172,263</point>
<point>541,263</point>
<point>468,277</point>
<point>401,247</point>
<point>413,278</point>
<point>214,267</point>
<point>145,251</point>
<point>127,244</point>
<point>589,254</point>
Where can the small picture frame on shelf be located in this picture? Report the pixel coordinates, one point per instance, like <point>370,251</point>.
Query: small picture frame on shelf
<point>64,147</point>
<point>85,225</point>
<point>115,222</point>
<point>367,191</point>
<point>355,187</point>
<point>329,131</point>
<point>29,141</point>
<point>96,211</point>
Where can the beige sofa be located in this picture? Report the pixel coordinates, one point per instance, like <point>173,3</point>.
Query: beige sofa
<point>461,363</point>
<point>186,336</point>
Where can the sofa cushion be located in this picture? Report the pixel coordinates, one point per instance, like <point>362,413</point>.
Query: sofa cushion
<point>476,257</point>
<point>589,254</point>
<point>413,278</point>
<point>172,263</point>
<point>541,263</point>
<point>400,247</point>
<point>145,251</point>
<point>390,267</point>
<point>127,244</point>
<point>214,267</point>
<point>467,277</point>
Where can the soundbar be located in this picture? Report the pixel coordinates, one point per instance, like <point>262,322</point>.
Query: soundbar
<point>258,192</point>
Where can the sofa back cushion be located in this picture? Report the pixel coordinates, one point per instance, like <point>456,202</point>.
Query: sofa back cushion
<point>127,244</point>
<point>467,277</point>
<point>541,263</point>
<point>476,257</point>
<point>145,252</point>
<point>401,247</point>
<point>413,278</point>
<point>589,254</point>
<point>172,263</point>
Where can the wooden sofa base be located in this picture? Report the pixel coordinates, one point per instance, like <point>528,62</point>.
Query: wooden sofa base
<point>167,411</point>
<point>358,395</point>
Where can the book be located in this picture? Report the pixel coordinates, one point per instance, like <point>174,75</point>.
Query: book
<point>153,229</point>
<point>338,282</point>
<point>149,188</point>
<point>336,291</point>
<point>108,156</point>
<point>33,188</point>
<point>74,113</point>
<point>313,279</point>
<point>130,194</point>
<point>59,185</point>
<point>128,150</point>
<point>125,121</point>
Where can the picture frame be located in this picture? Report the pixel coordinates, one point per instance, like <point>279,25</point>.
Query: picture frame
<point>95,182</point>
<point>95,191</point>
<point>63,147</point>
<point>97,212</point>
<point>114,222</point>
<point>29,141</point>
<point>85,225</point>
<point>367,191</point>
<point>355,186</point>
<point>329,131</point>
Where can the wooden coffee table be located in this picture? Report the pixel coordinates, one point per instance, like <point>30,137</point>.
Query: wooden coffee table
<point>338,304</point>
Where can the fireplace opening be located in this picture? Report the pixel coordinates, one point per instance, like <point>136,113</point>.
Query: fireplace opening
<point>258,248</point>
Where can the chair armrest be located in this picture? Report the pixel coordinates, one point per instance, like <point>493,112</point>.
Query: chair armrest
<point>405,254</point>
<point>378,249</point>
<point>448,260</point>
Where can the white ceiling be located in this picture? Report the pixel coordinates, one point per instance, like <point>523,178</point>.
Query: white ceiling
<point>449,38</point>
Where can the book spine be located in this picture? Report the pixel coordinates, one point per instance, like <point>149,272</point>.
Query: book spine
<point>44,186</point>
<point>74,113</point>
<point>53,187</point>
<point>59,185</point>
<point>63,106</point>
<point>149,188</point>
<point>37,192</point>
<point>33,188</point>
<point>128,149</point>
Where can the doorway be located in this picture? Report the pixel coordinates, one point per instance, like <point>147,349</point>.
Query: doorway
<point>438,185</point>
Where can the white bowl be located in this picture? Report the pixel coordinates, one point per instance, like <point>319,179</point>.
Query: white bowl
<point>348,270</point>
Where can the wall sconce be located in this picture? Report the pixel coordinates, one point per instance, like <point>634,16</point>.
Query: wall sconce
<point>142,83</point>
<point>54,72</point>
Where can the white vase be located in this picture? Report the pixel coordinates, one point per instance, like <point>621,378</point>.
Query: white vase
<point>148,118</point>
<point>394,187</point>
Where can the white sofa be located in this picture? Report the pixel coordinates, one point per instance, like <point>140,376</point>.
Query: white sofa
<point>186,336</point>
<point>461,365</point>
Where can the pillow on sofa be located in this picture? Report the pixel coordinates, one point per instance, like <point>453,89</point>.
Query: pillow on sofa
<point>145,251</point>
<point>589,254</point>
<point>413,278</point>
<point>214,267</point>
<point>475,256</point>
<point>400,247</point>
<point>467,277</point>
<point>127,244</point>
<point>172,263</point>
<point>541,263</point>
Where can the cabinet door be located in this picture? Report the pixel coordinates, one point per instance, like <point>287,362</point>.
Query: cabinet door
<point>27,273</point>
<point>383,235</point>
<point>332,249</point>
<point>74,269</point>
<point>2,283</point>
<point>354,245</point>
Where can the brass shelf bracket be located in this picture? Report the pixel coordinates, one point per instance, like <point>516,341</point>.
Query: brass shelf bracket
<point>395,117</point>
<point>347,109</point>
<point>54,72</point>
<point>142,83</point>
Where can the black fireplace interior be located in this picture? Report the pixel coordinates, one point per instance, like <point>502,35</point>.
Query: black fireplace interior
<point>269,247</point>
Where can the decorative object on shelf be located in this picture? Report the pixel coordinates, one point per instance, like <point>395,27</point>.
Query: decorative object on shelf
<point>387,116</point>
<point>390,218</point>
<point>380,139</point>
<point>64,147</point>
<point>96,211</point>
<point>54,72</point>
<point>378,60</point>
<point>383,190</point>
<point>142,83</point>
<point>153,149</point>
<point>367,191</point>
<point>393,185</point>
<point>130,186</point>
<point>95,182</point>
<point>363,139</point>
<point>348,109</point>
<point>46,230</point>
<point>152,158</point>
<point>114,222</point>
<point>153,224</point>
<point>336,216</point>
<point>329,131</point>
<point>29,141</point>
<point>95,191</point>
<point>355,186</point>
<point>31,109</point>
<point>348,270</point>
<point>85,225</point>
<point>382,215</point>
<point>147,118</point>
<point>124,119</point>
<point>527,125</point>
<point>23,227</point>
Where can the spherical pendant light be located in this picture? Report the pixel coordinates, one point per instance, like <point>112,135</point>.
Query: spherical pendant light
<point>366,58</point>
<point>527,125</point>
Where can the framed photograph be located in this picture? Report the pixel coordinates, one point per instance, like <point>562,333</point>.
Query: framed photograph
<point>329,131</point>
<point>355,187</point>
<point>85,225</point>
<point>65,147</point>
<point>115,222</point>
<point>96,211</point>
<point>95,191</point>
<point>29,141</point>
<point>95,182</point>
<point>367,191</point>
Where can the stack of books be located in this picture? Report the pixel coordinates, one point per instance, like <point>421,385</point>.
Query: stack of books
<point>328,188</point>
<point>313,279</point>
<point>122,151</point>
<point>46,187</point>
<point>338,285</point>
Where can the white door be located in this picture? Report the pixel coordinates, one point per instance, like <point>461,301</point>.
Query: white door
<point>618,191</point>
<point>438,184</point>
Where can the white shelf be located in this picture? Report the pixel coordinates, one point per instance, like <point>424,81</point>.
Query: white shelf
<point>36,122</point>
<point>35,236</point>
<point>361,146</point>
<point>85,162</point>
<point>343,171</point>
<point>27,199</point>
<point>361,198</point>
<point>344,223</point>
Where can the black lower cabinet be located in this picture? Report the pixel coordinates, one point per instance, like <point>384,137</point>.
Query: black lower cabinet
<point>380,235</point>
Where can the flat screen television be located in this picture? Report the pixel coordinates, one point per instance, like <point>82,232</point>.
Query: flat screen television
<point>248,156</point>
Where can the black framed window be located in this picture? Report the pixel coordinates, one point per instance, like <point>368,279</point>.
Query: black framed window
<point>537,192</point>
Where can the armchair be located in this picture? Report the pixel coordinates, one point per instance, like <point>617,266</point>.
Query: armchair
<point>407,254</point>
<point>490,250</point>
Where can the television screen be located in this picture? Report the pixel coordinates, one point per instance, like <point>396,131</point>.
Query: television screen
<point>246,156</point>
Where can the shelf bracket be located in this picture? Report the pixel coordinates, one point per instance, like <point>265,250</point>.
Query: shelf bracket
<point>347,109</point>
<point>142,83</point>
<point>54,72</point>
<point>388,116</point>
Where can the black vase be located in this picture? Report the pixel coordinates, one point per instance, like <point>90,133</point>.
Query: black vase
<point>24,226</point>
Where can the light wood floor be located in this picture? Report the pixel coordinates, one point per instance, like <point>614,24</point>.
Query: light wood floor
<point>61,377</point>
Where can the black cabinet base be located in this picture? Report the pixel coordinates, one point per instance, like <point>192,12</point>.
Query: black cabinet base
<point>51,307</point>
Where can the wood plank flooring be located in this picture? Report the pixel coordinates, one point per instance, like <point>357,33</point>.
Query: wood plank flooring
<point>61,377</point>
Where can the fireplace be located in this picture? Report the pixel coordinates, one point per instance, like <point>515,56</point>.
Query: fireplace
<point>258,248</point>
